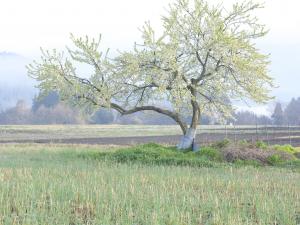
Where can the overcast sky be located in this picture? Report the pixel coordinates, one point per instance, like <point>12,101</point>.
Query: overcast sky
<point>25,26</point>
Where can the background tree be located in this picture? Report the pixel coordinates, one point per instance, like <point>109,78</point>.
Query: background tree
<point>292,112</point>
<point>49,100</point>
<point>102,116</point>
<point>19,114</point>
<point>205,56</point>
<point>278,115</point>
<point>58,114</point>
<point>250,118</point>
<point>264,120</point>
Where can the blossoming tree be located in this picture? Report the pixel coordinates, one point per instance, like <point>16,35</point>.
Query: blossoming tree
<point>205,57</point>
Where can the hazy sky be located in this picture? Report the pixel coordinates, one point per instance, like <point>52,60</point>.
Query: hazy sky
<point>25,26</point>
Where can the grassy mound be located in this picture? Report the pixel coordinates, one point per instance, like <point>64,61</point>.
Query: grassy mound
<point>243,153</point>
<point>154,154</point>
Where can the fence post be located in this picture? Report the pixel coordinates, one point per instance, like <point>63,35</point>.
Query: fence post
<point>272,132</point>
<point>234,128</point>
<point>267,133</point>
<point>289,129</point>
<point>256,132</point>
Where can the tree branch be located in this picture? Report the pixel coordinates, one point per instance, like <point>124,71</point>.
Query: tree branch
<point>173,115</point>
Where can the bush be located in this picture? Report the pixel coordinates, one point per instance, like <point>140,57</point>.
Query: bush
<point>211,154</point>
<point>285,148</point>
<point>222,144</point>
<point>244,143</point>
<point>261,145</point>
<point>275,159</point>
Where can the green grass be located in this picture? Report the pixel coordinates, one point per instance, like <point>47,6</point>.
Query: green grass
<point>208,156</point>
<point>154,154</point>
<point>54,184</point>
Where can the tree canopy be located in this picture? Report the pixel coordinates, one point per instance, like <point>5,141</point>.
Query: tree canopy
<point>205,57</point>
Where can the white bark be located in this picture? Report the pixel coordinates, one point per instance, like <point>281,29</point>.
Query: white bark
<point>187,140</point>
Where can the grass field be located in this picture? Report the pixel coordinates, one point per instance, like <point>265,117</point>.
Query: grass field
<point>51,184</point>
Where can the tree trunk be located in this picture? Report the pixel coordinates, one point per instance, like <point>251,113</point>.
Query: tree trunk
<point>187,141</point>
<point>189,134</point>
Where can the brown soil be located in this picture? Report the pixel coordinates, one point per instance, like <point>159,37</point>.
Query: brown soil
<point>171,140</point>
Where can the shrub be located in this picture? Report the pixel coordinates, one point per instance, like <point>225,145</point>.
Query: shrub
<point>285,148</point>
<point>222,144</point>
<point>244,143</point>
<point>211,153</point>
<point>261,145</point>
<point>275,159</point>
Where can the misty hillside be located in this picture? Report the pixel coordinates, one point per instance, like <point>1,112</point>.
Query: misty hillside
<point>14,82</point>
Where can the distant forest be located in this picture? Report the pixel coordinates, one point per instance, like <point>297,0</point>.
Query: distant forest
<point>50,110</point>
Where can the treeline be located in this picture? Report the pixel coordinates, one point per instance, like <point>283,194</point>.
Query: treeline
<point>290,115</point>
<point>250,118</point>
<point>23,114</point>
<point>50,110</point>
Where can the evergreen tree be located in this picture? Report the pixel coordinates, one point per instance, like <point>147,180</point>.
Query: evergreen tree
<point>292,112</point>
<point>49,101</point>
<point>103,116</point>
<point>278,115</point>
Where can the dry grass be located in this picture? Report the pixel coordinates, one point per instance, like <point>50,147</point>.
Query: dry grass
<point>235,152</point>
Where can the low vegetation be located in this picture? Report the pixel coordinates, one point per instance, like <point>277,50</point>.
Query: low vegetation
<point>218,154</point>
<point>146,184</point>
<point>154,154</point>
